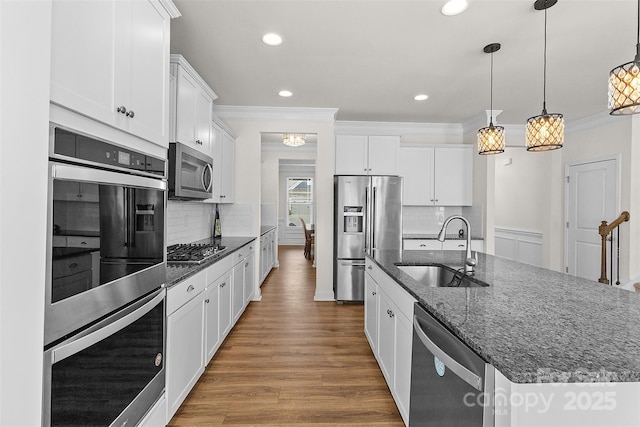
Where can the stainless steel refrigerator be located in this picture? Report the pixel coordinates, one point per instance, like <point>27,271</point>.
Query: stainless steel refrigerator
<point>368,216</point>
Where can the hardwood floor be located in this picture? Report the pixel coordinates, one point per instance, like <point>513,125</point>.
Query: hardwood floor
<point>292,361</point>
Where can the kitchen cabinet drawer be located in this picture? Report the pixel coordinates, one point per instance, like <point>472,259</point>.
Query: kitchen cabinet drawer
<point>218,269</point>
<point>72,265</point>
<point>371,269</point>
<point>184,291</point>
<point>83,242</point>
<point>422,245</point>
<point>454,245</point>
<point>397,294</point>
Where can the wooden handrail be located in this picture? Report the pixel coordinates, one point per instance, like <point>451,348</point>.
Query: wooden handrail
<point>604,230</point>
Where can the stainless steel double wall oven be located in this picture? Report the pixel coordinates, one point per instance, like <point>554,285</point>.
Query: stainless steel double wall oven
<point>105,297</point>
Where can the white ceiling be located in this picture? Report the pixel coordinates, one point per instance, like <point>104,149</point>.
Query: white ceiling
<point>370,58</point>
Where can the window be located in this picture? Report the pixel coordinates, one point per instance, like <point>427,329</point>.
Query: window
<point>299,201</point>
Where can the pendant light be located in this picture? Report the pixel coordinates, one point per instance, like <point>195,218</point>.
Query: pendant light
<point>624,83</point>
<point>546,131</point>
<point>491,138</point>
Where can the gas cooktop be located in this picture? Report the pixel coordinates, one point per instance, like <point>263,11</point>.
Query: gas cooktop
<point>192,253</point>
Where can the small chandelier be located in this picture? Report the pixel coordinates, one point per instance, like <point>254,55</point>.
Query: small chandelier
<point>491,138</point>
<point>293,139</point>
<point>624,83</point>
<point>546,131</point>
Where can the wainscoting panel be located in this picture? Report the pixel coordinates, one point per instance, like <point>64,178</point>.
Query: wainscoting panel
<point>519,245</point>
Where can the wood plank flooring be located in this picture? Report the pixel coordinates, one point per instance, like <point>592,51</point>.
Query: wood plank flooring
<point>292,361</point>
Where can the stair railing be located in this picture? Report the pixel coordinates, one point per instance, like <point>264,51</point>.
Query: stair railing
<point>604,230</point>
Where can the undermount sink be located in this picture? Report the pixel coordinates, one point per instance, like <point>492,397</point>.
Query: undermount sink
<point>439,276</point>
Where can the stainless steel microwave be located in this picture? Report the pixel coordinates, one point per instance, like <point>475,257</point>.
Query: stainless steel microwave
<point>190,173</point>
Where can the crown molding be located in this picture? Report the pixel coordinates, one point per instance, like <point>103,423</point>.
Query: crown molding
<point>396,128</point>
<point>176,58</point>
<point>171,8</point>
<point>282,114</point>
<point>593,121</point>
<point>222,125</point>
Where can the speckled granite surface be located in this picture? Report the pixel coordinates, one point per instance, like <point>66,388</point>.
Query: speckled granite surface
<point>179,272</point>
<point>266,228</point>
<point>533,325</point>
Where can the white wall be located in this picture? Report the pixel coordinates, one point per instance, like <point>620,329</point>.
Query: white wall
<point>25,28</point>
<point>248,126</point>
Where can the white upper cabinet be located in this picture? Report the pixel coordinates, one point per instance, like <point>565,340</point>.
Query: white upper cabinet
<point>191,106</point>
<point>437,176</point>
<point>223,153</point>
<point>367,155</point>
<point>109,63</point>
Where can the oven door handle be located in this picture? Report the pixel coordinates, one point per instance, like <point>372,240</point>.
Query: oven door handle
<point>85,174</point>
<point>99,332</point>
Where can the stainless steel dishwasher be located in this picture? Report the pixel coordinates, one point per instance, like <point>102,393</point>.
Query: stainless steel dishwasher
<point>450,384</point>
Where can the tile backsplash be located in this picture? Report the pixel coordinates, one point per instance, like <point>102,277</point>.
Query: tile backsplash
<point>429,219</point>
<point>188,221</point>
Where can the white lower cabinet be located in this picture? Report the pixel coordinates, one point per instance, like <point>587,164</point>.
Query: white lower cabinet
<point>371,311</point>
<point>267,254</point>
<point>388,309</point>
<point>238,290</point>
<point>185,344</point>
<point>201,311</point>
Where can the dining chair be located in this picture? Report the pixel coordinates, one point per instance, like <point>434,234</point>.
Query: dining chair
<point>308,240</point>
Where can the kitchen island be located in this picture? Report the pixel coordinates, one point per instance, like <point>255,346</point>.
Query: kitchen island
<point>540,330</point>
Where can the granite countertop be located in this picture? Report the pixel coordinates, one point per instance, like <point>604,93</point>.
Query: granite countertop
<point>533,325</point>
<point>410,236</point>
<point>266,228</point>
<point>178,272</point>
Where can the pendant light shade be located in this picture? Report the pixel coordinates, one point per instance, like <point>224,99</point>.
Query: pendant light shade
<point>293,139</point>
<point>491,138</point>
<point>546,131</point>
<point>624,83</point>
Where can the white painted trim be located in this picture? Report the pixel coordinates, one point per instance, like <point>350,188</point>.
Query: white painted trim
<point>284,114</point>
<point>396,128</point>
<point>179,59</point>
<point>425,145</point>
<point>520,239</point>
<point>218,122</point>
<point>324,296</point>
<point>593,121</point>
<point>171,8</point>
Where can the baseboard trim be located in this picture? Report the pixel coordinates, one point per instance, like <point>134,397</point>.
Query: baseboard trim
<point>324,296</point>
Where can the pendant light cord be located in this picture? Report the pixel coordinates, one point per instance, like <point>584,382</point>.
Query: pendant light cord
<point>491,94</point>
<point>544,78</point>
<point>637,58</point>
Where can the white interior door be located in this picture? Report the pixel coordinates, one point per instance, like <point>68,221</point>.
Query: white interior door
<point>592,197</point>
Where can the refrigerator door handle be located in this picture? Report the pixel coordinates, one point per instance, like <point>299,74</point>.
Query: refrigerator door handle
<point>367,237</point>
<point>373,219</point>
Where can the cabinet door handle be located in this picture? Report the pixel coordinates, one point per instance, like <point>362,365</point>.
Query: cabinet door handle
<point>422,245</point>
<point>130,114</point>
<point>83,243</point>
<point>373,293</point>
<point>369,267</point>
<point>391,313</point>
<point>207,300</point>
<point>190,288</point>
<point>73,265</point>
<point>223,284</point>
<point>246,265</point>
<point>122,109</point>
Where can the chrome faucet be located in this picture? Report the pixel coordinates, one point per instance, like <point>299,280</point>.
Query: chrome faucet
<point>470,261</point>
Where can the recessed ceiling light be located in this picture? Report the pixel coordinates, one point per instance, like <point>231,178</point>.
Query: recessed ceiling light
<point>454,7</point>
<point>421,97</point>
<point>272,39</point>
<point>285,93</point>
